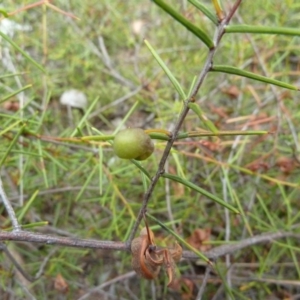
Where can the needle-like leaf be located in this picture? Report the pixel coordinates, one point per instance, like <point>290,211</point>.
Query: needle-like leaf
<point>262,29</point>
<point>187,24</point>
<point>200,190</point>
<point>243,73</point>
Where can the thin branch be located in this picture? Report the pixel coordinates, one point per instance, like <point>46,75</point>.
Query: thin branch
<point>204,283</point>
<point>107,62</point>
<point>27,236</point>
<point>9,208</point>
<point>207,67</point>
<point>107,283</point>
<point>213,254</point>
<point>15,263</point>
<point>231,249</point>
<point>232,11</point>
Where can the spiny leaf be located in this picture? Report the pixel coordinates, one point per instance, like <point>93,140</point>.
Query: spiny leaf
<point>200,190</point>
<point>15,93</point>
<point>203,133</point>
<point>205,10</point>
<point>28,57</point>
<point>243,73</point>
<point>28,204</point>
<point>223,133</point>
<point>13,142</point>
<point>187,24</point>
<point>167,71</point>
<point>262,29</point>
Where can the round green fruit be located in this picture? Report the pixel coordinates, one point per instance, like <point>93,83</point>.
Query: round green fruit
<point>133,143</point>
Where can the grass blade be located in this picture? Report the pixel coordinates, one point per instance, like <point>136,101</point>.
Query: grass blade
<point>125,119</point>
<point>200,190</point>
<point>10,127</point>
<point>30,225</point>
<point>4,13</point>
<point>84,118</point>
<point>27,206</point>
<point>13,142</point>
<point>262,30</point>
<point>187,24</point>
<point>28,57</point>
<point>167,71</point>
<point>15,93</point>
<point>205,11</point>
<point>12,75</point>
<point>239,72</point>
<point>141,168</point>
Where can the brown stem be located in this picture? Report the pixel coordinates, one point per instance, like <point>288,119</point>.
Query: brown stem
<point>27,236</point>
<point>232,11</point>
<point>207,67</point>
<point>230,249</point>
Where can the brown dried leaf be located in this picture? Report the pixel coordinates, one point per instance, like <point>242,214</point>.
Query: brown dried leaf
<point>198,237</point>
<point>258,166</point>
<point>232,92</point>
<point>60,284</point>
<point>176,252</point>
<point>170,267</point>
<point>219,110</point>
<point>185,287</point>
<point>11,105</point>
<point>212,146</point>
<point>171,257</point>
<point>285,164</point>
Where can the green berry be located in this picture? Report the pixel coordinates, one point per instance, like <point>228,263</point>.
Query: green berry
<point>133,143</point>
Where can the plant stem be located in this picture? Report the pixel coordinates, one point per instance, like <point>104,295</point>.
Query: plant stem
<point>213,254</point>
<point>206,68</point>
<point>9,208</point>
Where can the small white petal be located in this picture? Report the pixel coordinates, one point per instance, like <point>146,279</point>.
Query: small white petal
<point>137,26</point>
<point>74,98</point>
